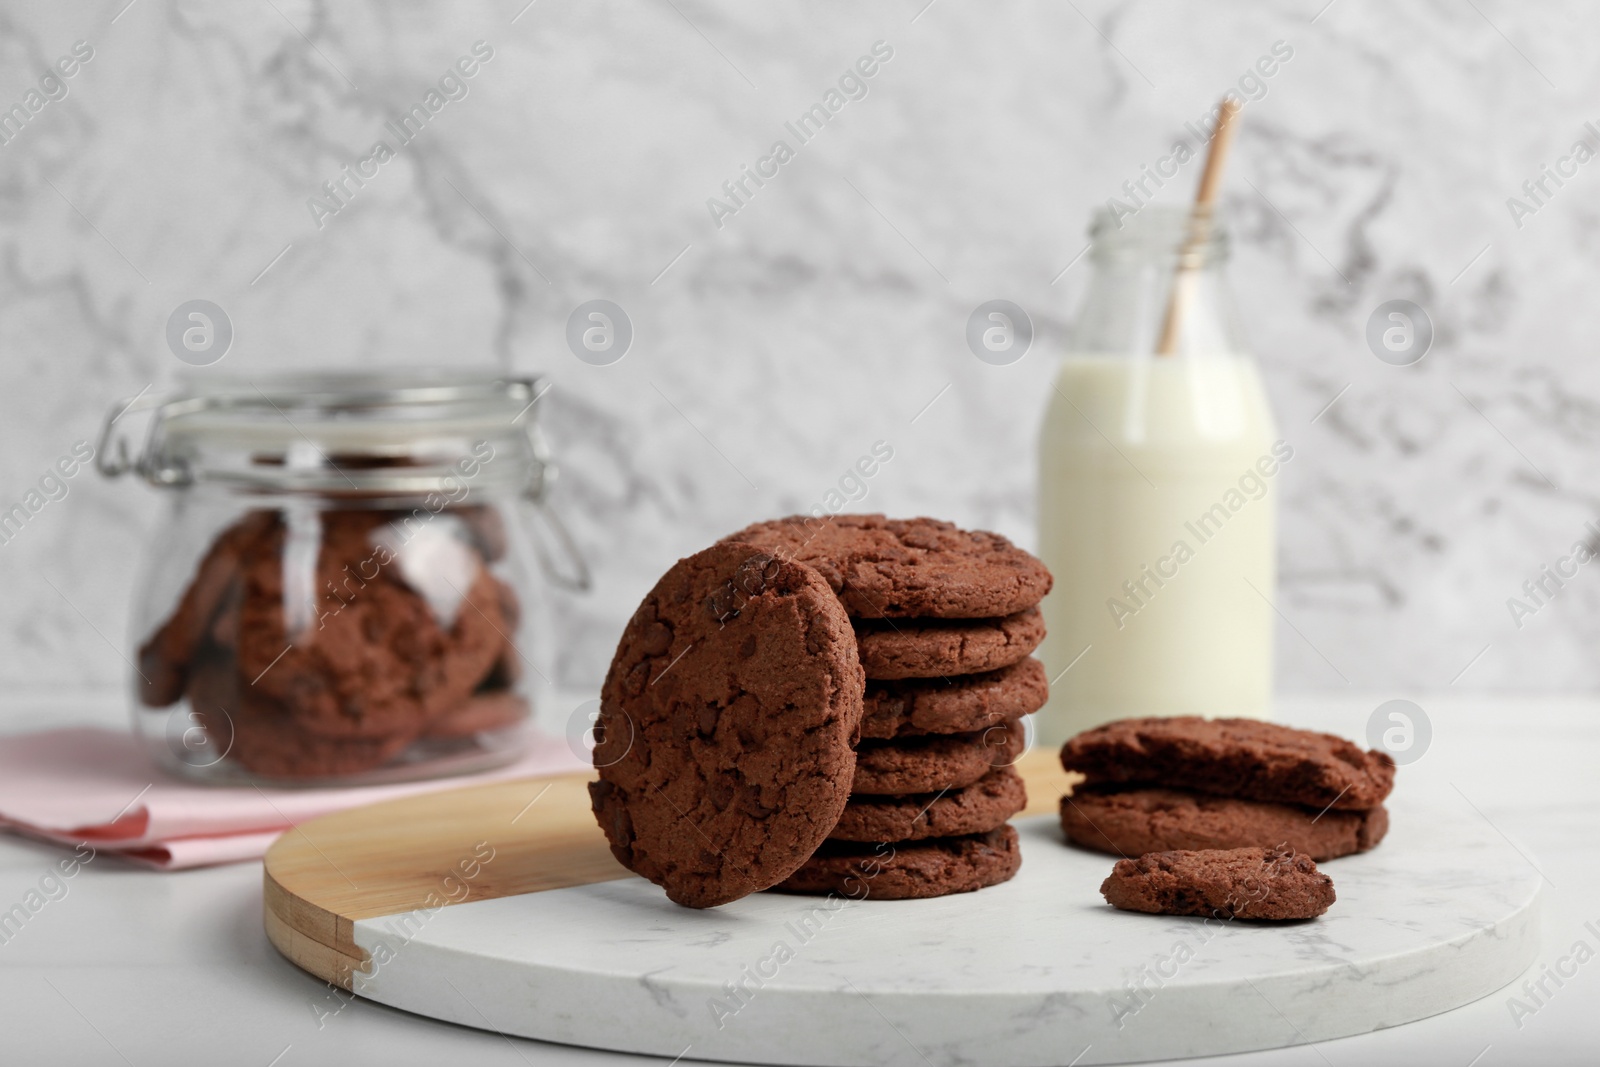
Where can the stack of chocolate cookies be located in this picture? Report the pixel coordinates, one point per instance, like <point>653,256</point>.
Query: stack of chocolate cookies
<point>741,745</point>
<point>945,620</point>
<point>1190,784</point>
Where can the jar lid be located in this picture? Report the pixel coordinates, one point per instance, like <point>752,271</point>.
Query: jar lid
<point>347,434</point>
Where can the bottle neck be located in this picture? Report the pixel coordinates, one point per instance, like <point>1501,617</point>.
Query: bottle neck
<point>1129,299</point>
<point>1158,286</point>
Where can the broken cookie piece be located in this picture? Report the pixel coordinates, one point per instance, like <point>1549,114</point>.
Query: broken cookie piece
<point>1235,883</point>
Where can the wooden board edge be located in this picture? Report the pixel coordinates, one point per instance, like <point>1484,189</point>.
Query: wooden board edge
<point>335,932</point>
<point>308,871</point>
<point>311,955</point>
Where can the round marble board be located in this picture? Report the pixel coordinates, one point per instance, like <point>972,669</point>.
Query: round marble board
<point>499,907</point>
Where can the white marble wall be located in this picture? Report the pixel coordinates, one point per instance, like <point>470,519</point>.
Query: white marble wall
<point>830,310</point>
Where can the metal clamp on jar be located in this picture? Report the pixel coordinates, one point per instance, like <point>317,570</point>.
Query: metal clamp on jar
<point>347,585</point>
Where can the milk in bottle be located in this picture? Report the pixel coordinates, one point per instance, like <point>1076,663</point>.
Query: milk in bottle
<point>1157,493</point>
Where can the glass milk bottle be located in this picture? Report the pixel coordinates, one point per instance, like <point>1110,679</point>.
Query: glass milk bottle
<point>1157,485</point>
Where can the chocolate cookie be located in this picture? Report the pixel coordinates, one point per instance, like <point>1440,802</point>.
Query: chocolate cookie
<point>1131,822</point>
<point>933,762</point>
<point>480,713</point>
<point>372,656</point>
<point>1241,758</point>
<point>275,748</point>
<point>954,705</point>
<point>932,868</point>
<point>934,648</point>
<point>978,808</point>
<point>260,735</point>
<point>726,725</point>
<point>165,657</point>
<point>356,626</point>
<point>1239,883</point>
<point>897,568</point>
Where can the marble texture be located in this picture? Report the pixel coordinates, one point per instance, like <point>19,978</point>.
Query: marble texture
<point>175,969</point>
<point>1037,971</point>
<point>828,313</point>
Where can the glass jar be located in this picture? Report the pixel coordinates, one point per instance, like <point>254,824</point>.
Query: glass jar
<point>1157,460</point>
<point>345,589</point>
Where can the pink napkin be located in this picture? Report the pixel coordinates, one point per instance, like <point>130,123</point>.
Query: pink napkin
<point>88,784</point>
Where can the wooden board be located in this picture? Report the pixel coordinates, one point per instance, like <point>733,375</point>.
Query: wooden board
<point>500,907</point>
<point>391,858</point>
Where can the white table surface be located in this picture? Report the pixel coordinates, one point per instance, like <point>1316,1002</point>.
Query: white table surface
<point>134,967</point>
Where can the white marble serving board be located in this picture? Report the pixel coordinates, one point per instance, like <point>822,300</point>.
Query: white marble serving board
<point>1037,971</point>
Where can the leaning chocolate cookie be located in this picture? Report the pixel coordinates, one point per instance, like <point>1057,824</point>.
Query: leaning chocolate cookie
<point>897,568</point>
<point>727,724</point>
<point>1240,883</point>
<point>1242,758</point>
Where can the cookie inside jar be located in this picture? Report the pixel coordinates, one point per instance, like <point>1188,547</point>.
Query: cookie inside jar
<point>343,592</point>
<point>325,642</point>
